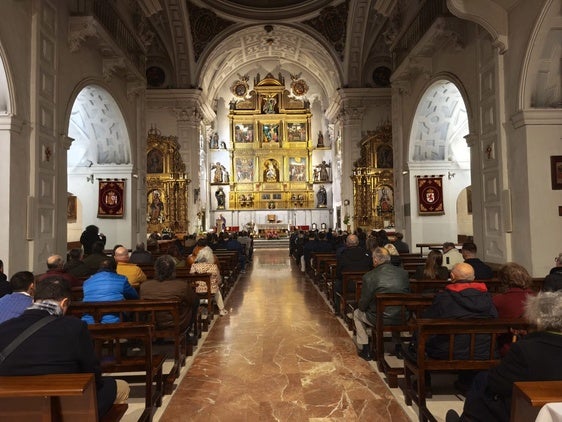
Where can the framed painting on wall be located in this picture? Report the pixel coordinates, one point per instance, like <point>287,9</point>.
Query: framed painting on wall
<point>270,133</point>
<point>296,132</point>
<point>297,169</point>
<point>243,133</point>
<point>244,168</point>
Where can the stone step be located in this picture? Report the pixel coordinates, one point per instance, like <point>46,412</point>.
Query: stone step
<point>271,243</point>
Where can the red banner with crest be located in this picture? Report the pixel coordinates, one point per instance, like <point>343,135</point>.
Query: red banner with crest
<point>430,195</point>
<point>111,199</point>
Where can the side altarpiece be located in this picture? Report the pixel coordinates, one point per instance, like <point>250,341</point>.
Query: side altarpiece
<point>166,185</point>
<point>373,181</point>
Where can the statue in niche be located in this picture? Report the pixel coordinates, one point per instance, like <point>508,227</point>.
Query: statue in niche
<point>321,197</point>
<point>221,174</point>
<point>321,173</point>
<point>320,143</point>
<point>214,141</point>
<point>271,172</point>
<point>220,196</point>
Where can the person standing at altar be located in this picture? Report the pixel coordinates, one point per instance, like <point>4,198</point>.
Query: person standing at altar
<point>221,224</point>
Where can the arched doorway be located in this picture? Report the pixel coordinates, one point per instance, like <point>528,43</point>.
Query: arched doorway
<point>438,152</point>
<point>100,153</point>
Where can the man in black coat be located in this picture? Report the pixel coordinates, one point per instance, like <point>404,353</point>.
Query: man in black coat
<point>62,346</point>
<point>352,258</point>
<point>481,270</point>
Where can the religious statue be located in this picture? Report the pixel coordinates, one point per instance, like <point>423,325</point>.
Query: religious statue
<point>322,174</point>
<point>269,104</point>
<point>320,143</point>
<point>220,172</point>
<point>156,208</point>
<point>214,141</point>
<point>221,198</point>
<point>271,172</point>
<point>321,197</point>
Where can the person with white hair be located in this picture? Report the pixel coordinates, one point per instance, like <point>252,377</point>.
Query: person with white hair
<point>535,357</point>
<point>205,263</point>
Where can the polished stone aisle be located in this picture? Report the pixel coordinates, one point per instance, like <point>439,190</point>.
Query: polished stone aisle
<point>279,356</point>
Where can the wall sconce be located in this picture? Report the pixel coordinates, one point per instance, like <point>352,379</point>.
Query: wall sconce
<point>346,202</point>
<point>90,179</point>
<point>450,175</point>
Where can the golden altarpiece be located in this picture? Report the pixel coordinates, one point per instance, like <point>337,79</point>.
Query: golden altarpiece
<point>271,148</point>
<point>373,181</point>
<point>166,185</point>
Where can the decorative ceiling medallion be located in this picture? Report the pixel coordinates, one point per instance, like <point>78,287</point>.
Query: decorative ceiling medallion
<point>240,87</point>
<point>298,86</point>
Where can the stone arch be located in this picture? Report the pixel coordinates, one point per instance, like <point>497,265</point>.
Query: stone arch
<point>10,125</point>
<point>540,84</point>
<point>100,149</point>
<point>437,147</point>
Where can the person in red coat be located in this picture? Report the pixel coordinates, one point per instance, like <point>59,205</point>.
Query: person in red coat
<point>516,283</point>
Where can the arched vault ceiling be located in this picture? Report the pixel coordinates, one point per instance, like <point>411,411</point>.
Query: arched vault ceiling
<point>224,59</point>
<point>262,10</point>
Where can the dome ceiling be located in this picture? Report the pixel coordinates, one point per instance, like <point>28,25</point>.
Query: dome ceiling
<point>283,48</point>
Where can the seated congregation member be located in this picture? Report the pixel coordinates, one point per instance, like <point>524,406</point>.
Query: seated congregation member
<point>62,346</point>
<point>74,264</point>
<point>5,286</point>
<point>13,305</point>
<point>536,357</point>
<point>399,244</point>
<point>106,286</point>
<point>179,260</point>
<point>516,283</point>
<point>140,255</point>
<point>166,286</point>
<point>205,263</point>
<point>232,244</point>
<point>55,266</point>
<point>384,278</point>
<point>553,281</point>
<point>93,260</point>
<point>451,255</point>
<point>134,274</point>
<point>461,299</point>
<point>394,255</point>
<point>481,270</point>
<point>433,268</point>
<point>352,258</point>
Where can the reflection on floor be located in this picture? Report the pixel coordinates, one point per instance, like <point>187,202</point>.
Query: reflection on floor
<point>282,355</point>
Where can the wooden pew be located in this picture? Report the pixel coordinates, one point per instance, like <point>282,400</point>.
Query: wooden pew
<point>411,306</point>
<point>432,286</point>
<point>145,311</point>
<point>529,396</point>
<point>320,262</point>
<point>349,279</point>
<point>203,318</point>
<point>423,364</point>
<point>54,397</point>
<point>113,359</point>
